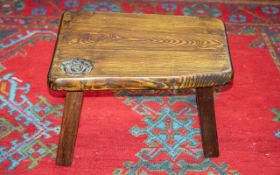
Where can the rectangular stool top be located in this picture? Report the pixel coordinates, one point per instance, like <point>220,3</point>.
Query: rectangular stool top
<point>104,50</point>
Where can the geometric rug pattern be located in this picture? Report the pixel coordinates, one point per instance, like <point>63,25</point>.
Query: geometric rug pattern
<point>172,134</point>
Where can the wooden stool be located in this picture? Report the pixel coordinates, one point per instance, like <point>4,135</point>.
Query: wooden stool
<point>105,51</point>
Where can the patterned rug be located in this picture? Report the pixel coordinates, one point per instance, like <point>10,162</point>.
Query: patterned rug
<point>140,132</point>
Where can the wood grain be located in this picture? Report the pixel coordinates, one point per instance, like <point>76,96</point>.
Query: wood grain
<point>69,128</point>
<point>205,104</point>
<point>138,51</point>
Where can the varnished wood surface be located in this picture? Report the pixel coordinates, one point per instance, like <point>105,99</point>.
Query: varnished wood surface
<point>69,128</point>
<point>205,105</point>
<point>137,51</point>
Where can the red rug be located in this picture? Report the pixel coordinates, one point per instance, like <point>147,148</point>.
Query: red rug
<point>127,132</point>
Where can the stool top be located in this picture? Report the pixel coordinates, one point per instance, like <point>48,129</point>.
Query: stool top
<point>104,50</point>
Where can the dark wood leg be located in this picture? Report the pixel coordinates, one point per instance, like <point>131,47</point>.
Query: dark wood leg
<point>69,128</point>
<point>205,103</point>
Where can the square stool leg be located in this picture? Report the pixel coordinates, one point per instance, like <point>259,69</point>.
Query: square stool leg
<point>205,104</point>
<point>69,128</point>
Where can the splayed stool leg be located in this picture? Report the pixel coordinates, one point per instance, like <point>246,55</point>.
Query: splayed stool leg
<point>69,128</point>
<point>206,112</point>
